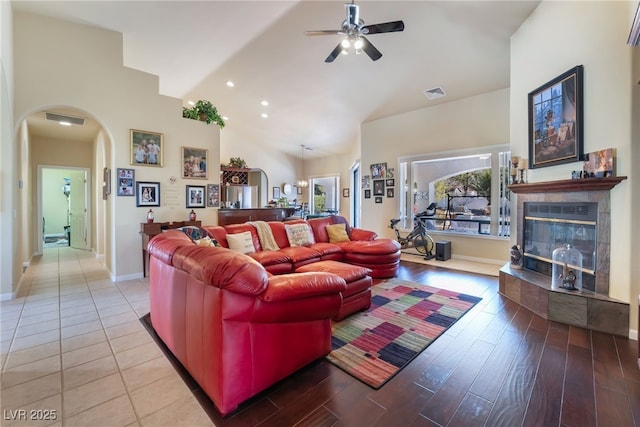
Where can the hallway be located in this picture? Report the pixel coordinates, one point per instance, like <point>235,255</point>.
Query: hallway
<point>73,347</point>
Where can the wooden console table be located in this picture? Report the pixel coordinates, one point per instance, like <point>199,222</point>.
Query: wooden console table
<point>150,229</point>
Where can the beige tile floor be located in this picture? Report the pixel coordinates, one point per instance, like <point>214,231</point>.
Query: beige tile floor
<point>73,349</point>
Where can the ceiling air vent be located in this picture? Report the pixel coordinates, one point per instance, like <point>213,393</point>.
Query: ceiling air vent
<point>64,118</point>
<point>434,93</point>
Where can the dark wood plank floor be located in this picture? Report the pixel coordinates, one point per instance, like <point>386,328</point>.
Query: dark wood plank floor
<point>500,365</point>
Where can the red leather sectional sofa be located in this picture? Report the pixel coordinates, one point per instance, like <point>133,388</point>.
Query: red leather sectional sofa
<point>239,326</point>
<point>381,256</point>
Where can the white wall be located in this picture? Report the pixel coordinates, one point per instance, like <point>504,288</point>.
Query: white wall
<point>90,77</point>
<point>592,34</point>
<point>10,263</point>
<point>478,121</point>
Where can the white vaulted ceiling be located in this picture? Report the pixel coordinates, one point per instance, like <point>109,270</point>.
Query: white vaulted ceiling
<point>196,46</point>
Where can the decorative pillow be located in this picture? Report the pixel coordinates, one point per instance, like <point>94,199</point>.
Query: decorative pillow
<point>194,232</point>
<point>241,242</point>
<point>206,241</point>
<point>337,233</point>
<point>299,234</point>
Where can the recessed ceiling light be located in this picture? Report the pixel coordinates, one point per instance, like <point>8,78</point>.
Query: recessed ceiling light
<point>65,123</point>
<point>225,118</point>
<point>264,103</point>
<point>230,83</point>
<point>264,115</point>
<point>191,103</point>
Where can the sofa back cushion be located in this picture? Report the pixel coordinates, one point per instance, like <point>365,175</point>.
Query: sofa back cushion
<point>318,225</point>
<point>280,233</point>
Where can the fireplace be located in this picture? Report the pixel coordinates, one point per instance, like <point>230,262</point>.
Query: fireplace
<point>550,225</point>
<point>550,214</point>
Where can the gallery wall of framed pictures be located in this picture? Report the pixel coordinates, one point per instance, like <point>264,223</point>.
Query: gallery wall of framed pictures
<point>381,182</point>
<point>147,149</point>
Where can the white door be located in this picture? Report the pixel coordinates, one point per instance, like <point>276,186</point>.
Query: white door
<point>78,210</point>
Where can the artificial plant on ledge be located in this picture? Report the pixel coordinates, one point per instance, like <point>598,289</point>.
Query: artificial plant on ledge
<point>204,111</point>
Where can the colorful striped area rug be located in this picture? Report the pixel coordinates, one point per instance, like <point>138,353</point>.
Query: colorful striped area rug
<point>403,320</point>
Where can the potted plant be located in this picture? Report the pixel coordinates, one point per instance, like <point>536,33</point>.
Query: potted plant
<point>205,111</point>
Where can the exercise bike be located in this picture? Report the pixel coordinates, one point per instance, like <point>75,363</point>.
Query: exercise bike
<point>418,237</point>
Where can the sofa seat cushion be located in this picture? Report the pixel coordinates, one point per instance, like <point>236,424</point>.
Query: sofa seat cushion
<point>267,258</point>
<point>299,254</point>
<point>325,249</point>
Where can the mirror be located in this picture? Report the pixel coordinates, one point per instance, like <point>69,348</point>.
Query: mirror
<point>286,189</point>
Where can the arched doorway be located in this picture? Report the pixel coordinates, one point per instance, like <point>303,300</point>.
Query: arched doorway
<point>65,138</point>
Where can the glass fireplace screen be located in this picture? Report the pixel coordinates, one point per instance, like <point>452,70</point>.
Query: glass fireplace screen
<point>549,225</point>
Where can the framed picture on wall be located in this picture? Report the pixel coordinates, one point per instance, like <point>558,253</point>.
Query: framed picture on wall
<point>378,187</point>
<point>276,193</point>
<point>125,181</point>
<point>556,121</point>
<point>378,199</point>
<point>147,194</point>
<point>146,148</point>
<point>390,192</point>
<point>213,195</point>
<point>194,163</point>
<point>367,194</point>
<point>195,196</point>
<point>345,192</point>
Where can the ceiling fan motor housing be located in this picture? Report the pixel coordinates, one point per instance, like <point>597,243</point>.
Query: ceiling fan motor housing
<point>353,16</point>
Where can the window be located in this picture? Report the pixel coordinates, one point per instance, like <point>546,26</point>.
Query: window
<point>326,192</point>
<point>469,189</point>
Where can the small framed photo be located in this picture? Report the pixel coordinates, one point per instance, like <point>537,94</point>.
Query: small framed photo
<point>378,170</point>
<point>125,182</point>
<point>194,162</point>
<point>378,199</point>
<point>378,187</point>
<point>298,190</point>
<point>345,192</point>
<point>276,193</point>
<point>147,194</point>
<point>146,148</point>
<point>367,194</point>
<point>390,192</point>
<point>213,195</point>
<point>390,182</point>
<point>195,196</point>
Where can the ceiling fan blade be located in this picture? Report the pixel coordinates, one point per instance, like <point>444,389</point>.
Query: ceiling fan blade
<point>334,53</point>
<point>323,32</point>
<point>387,27</point>
<point>370,49</point>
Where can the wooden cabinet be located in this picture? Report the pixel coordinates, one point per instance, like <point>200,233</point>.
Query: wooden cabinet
<point>238,216</point>
<point>150,229</point>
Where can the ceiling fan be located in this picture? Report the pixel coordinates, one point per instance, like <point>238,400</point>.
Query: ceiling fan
<point>354,30</point>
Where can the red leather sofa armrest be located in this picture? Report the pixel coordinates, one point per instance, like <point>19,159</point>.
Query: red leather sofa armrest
<point>164,245</point>
<point>302,285</point>
<point>360,234</point>
<point>222,268</point>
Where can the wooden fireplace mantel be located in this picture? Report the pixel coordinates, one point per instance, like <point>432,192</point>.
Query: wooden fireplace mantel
<point>583,184</point>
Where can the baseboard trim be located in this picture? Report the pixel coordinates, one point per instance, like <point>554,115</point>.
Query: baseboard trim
<point>126,277</point>
<point>633,334</point>
<point>499,262</point>
<point>8,296</point>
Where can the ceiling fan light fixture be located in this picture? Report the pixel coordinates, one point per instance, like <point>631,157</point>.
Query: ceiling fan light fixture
<point>358,44</point>
<point>345,43</point>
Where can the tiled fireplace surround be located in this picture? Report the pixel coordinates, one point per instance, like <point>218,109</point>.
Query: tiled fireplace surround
<point>591,310</point>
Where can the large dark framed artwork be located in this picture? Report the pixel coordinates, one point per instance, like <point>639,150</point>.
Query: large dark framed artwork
<point>556,120</point>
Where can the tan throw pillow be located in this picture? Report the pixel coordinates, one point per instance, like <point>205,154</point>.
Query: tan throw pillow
<point>299,234</point>
<point>337,233</point>
<point>241,242</point>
